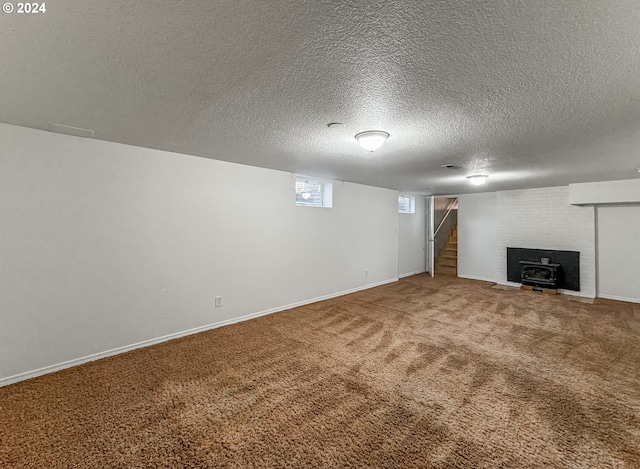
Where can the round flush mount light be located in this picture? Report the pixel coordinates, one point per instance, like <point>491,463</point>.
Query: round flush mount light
<point>478,179</point>
<point>371,140</point>
<point>335,125</point>
<point>450,166</point>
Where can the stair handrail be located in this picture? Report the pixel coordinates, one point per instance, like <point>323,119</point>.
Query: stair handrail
<point>453,203</point>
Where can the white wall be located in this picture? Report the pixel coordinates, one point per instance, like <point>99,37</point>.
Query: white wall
<point>544,219</point>
<point>106,245</point>
<point>477,236</point>
<point>619,252</point>
<point>411,240</point>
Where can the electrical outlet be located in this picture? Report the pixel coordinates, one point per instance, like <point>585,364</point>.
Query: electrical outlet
<point>218,301</point>
<point>366,273</point>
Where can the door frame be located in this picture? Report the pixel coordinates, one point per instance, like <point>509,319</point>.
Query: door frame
<point>431,242</point>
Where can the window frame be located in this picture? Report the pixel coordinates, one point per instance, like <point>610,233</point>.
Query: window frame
<point>412,203</point>
<point>326,189</point>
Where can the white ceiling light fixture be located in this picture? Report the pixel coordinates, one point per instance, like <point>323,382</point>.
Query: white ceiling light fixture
<point>478,179</point>
<point>371,140</point>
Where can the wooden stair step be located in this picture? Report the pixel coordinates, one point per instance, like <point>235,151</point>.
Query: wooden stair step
<point>448,263</point>
<point>444,255</point>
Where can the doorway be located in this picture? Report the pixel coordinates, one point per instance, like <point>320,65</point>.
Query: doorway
<point>442,235</point>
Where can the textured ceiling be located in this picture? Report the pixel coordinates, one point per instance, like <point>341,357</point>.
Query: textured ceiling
<point>534,93</point>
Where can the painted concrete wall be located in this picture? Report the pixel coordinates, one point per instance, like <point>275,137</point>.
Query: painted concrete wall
<point>477,236</point>
<point>619,252</point>
<point>411,240</point>
<point>106,245</point>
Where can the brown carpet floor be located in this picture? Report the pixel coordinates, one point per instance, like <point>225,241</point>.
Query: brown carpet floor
<point>430,373</point>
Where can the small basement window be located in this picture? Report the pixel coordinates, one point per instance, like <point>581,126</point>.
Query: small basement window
<point>406,204</point>
<point>313,192</point>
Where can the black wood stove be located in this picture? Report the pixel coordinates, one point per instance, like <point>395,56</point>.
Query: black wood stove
<point>539,274</point>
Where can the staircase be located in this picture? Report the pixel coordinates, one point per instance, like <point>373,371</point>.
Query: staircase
<point>447,258</point>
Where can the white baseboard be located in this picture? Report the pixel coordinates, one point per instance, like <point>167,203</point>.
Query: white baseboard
<point>473,277</point>
<point>412,273</point>
<point>145,343</point>
<point>619,298</point>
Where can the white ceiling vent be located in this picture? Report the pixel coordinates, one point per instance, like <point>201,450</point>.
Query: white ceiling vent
<point>75,131</point>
